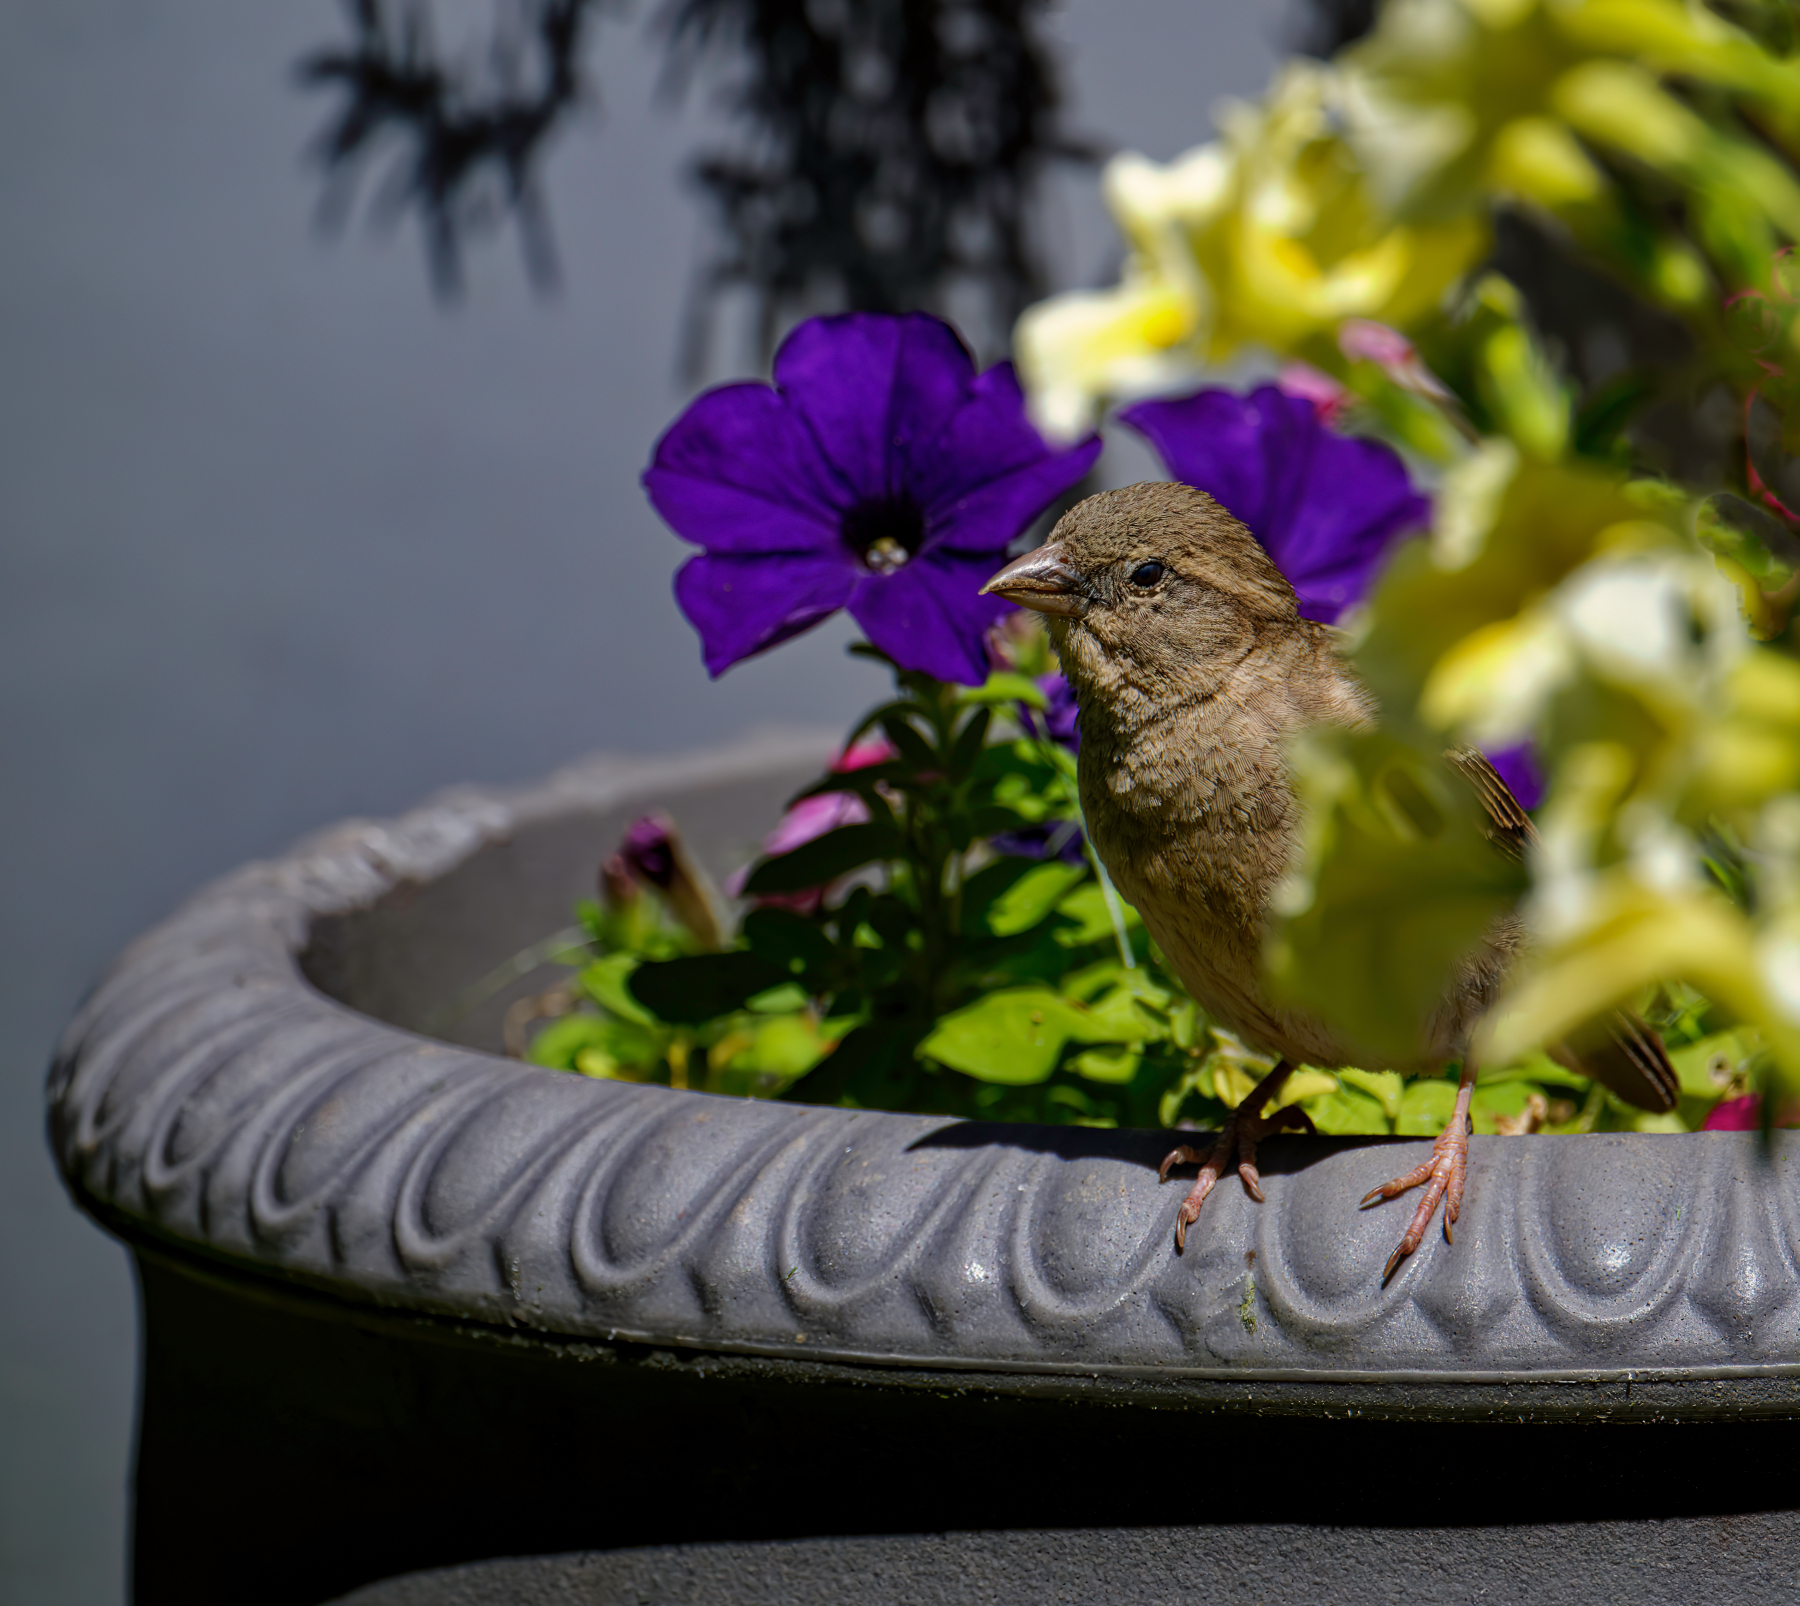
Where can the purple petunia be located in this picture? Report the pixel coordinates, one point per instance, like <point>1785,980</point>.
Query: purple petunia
<point>1058,721</point>
<point>1519,768</point>
<point>1061,718</point>
<point>1325,506</point>
<point>1059,839</point>
<point>880,473</point>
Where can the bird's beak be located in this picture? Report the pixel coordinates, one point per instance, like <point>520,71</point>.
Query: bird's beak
<point>1043,580</point>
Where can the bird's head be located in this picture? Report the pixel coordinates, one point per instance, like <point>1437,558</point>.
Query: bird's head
<point>1153,589</point>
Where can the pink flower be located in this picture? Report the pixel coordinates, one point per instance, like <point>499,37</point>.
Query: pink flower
<point>1745,1115</point>
<point>1363,340</point>
<point>813,817</point>
<point>1735,1115</point>
<point>871,750</point>
<point>1329,399</point>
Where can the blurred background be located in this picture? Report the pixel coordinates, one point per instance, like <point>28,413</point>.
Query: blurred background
<point>290,532</point>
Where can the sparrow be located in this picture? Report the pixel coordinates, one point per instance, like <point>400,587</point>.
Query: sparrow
<point>1193,669</point>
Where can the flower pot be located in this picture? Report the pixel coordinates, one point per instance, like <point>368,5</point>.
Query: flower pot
<point>408,1303</point>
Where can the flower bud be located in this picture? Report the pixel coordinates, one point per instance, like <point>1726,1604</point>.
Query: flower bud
<point>619,890</point>
<point>655,855</point>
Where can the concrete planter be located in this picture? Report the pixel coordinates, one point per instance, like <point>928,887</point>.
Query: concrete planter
<point>409,1304</point>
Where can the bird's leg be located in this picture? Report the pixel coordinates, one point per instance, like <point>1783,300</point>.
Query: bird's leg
<point>1244,1128</point>
<point>1442,1176</point>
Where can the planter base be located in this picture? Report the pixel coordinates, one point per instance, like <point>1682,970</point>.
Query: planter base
<point>409,1305</point>
<point>354,1445</point>
<point>1649,1565</point>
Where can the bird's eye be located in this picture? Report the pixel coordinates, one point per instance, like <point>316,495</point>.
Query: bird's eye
<point>1147,574</point>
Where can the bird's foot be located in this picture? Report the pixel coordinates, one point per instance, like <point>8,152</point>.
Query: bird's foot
<point>1244,1128</point>
<point>1442,1178</point>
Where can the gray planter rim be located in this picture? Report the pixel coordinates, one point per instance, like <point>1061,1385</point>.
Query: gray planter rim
<point>213,1107</point>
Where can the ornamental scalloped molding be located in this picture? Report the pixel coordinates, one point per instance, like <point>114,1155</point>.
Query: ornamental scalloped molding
<point>206,1095</point>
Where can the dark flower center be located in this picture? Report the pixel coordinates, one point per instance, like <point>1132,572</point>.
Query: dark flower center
<point>884,532</point>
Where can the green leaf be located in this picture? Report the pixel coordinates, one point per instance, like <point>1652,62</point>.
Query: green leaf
<point>1499,1099</point>
<point>1013,1037</point>
<point>786,999</point>
<point>1540,1068</point>
<point>1730,527</point>
<point>1195,1078</point>
<point>1186,1021</point>
<point>701,987</point>
<point>1032,897</point>
<point>1387,1088</point>
<point>1086,906</point>
<point>824,859</point>
<point>913,747</point>
<point>1120,1015</point>
<point>1693,1061</point>
<point>892,919</point>
<point>1601,423</point>
<point>990,818</point>
<point>1114,1065</point>
<point>1426,1107</point>
<point>784,1045</point>
<point>1092,980</point>
<point>789,940</point>
<point>872,1067</point>
<point>987,886</point>
<point>1347,1111</point>
<point>866,782</point>
<point>606,981</point>
<point>1005,687</point>
<point>577,1041</point>
<point>969,741</point>
<point>558,1043</point>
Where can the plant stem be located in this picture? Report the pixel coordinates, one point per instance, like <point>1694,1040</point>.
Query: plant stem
<point>1115,911</point>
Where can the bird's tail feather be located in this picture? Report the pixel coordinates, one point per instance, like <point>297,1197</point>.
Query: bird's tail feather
<point>1626,1056</point>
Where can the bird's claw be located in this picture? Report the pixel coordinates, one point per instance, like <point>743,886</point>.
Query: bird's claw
<point>1442,1178</point>
<point>1180,1155</point>
<point>1242,1131</point>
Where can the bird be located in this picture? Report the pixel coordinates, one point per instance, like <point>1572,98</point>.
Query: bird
<point>1192,669</point>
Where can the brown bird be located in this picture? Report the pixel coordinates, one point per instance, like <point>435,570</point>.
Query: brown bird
<point>1192,667</point>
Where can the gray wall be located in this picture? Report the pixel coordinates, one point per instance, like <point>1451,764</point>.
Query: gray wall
<point>280,540</point>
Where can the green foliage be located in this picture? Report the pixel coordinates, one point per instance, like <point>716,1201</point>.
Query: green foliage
<point>1572,591</point>
<point>904,963</point>
<point>1405,883</point>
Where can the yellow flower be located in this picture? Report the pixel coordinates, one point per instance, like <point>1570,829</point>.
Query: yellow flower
<point>1619,905</point>
<point>1567,603</point>
<point>1452,103</point>
<point>1266,237</point>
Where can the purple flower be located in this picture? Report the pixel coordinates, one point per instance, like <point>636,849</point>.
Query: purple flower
<point>1519,768</point>
<point>1060,839</point>
<point>880,473</point>
<point>649,850</point>
<point>1062,716</point>
<point>1326,507</point>
<point>654,853</point>
<point>1058,722</point>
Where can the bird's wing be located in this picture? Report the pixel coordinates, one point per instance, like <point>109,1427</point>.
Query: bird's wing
<point>1624,1053</point>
